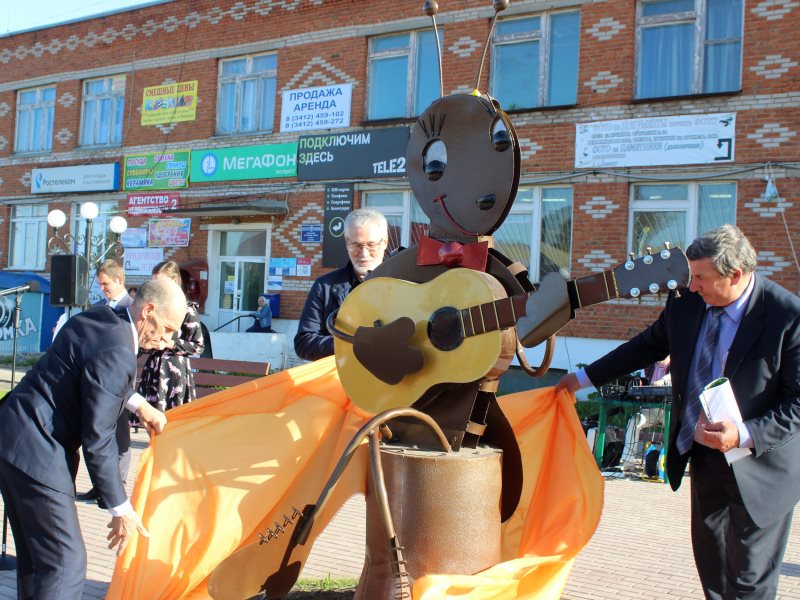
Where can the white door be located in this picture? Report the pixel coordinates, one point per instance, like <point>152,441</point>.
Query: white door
<point>241,277</point>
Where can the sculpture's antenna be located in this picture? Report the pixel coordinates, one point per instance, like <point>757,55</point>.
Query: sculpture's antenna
<point>498,6</point>
<point>431,7</point>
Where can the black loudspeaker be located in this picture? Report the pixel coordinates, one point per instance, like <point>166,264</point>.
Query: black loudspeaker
<point>69,280</point>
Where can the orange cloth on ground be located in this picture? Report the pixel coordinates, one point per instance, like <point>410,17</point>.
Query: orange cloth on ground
<point>229,465</point>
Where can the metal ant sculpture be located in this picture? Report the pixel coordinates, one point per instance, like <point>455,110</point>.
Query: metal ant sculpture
<point>422,343</point>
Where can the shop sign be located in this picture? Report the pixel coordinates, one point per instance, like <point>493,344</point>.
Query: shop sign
<point>170,103</point>
<point>268,161</point>
<point>151,204</point>
<point>140,261</point>
<point>338,204</point>
<point>169,233</point>
<point>325,107</point>
<point>30,321</point>
<point>673,140</point>
<point>156,171</point>
<point>80,178</point>
<point>353,155</point>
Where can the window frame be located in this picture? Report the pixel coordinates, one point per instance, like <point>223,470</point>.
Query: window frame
<point>49,107</point>
<point>238,80</point>
<point>40,244</point>
<point>690,205</point>
<point>412,52</point>
<point>699,19</point>
<point>535,210</point>
<point>115,97</point>
<point>544,35</point>
<point>404,210</point>
<point>107,209</point>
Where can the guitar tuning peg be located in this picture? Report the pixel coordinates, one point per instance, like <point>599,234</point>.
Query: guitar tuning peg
<point>649,249</point>
<point>278,529</point>
<point>632,255</point>
<point>677,293</point>
<point>666,245</point>
<point>286,520</point>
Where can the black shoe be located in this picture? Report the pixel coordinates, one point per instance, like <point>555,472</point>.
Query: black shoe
<point>92,494</point>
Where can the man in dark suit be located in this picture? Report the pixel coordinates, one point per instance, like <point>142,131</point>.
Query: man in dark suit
<point>111,281</point>
<point>741,513</point>
<point>71,399</point>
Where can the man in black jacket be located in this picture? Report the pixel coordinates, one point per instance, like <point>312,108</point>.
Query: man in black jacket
<point>366,235</point>
<point>732,323</point>
<point>71,399</point>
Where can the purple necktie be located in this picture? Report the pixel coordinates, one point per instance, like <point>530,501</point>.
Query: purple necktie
<point>699,377</point>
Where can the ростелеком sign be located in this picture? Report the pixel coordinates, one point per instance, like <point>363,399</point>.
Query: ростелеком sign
<point>80,178</point>
<point>268,161</point>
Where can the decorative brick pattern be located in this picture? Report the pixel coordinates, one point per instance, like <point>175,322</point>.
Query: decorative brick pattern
<point>25,180</point>
<point>597,260</point>
<point>63,136</point>
<point>770,263</point>
<point>1,185</point>
<point>528,148</point>
<point>772,135</point>
<point>772,66</point>
<point>774,9</point>
<point>66,99</point>
<point>605,29</point>
<point>288,233</point>
<point>464,47</point>
<point>603,82</point>
<point>767,208</point>
<point>3,142</point>
<point>318,71</point>
<point>4,109</point>
<point>149,28</point>
<point>166,128</point>
<point>598,207</point>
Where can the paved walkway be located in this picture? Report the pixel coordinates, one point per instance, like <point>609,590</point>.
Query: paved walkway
<point>640,551</point>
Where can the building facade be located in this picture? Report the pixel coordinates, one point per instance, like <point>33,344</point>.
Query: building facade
<point>241,131</point>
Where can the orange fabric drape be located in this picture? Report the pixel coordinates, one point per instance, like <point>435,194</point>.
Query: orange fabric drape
<point>229,465</point>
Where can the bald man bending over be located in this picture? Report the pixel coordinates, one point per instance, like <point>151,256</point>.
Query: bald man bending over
<point>71,399</point>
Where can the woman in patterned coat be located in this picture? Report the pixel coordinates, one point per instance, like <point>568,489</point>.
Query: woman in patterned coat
<point>167,378</point>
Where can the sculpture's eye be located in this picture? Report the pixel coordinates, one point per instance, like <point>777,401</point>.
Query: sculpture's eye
<point>434,159</point>
<point>501,138</point>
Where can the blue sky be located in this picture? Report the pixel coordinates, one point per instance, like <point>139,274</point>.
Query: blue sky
<point>17,15</point>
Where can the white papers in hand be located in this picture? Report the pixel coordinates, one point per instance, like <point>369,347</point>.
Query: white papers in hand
<point>720,404</point>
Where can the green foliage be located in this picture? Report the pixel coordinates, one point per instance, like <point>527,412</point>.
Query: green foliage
<point>327,584</point>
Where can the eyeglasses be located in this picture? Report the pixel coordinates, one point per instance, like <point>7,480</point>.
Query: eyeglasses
<point>371,247</point>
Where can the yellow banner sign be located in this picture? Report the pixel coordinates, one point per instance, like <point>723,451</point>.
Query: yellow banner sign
<point>170,103</point>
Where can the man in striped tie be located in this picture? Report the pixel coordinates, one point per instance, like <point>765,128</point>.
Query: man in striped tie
<point>735,323</point>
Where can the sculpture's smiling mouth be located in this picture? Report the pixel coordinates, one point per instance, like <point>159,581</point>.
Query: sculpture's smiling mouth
<point>440,199</point>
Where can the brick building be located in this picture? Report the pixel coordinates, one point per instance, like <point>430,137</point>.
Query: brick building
<point>638,123</point>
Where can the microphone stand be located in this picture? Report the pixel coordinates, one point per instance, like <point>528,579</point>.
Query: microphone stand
<point>8,562</point>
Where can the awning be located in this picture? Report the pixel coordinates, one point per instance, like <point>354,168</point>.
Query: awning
<point>235,208</point>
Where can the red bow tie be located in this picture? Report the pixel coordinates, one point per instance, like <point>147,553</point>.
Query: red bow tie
<point>452,254</point>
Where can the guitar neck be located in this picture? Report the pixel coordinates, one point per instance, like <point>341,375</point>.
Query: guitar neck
<point>504,313</point>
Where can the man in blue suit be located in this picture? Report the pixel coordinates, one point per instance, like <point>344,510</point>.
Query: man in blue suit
<point>732,323</point>
<point>71,399</point>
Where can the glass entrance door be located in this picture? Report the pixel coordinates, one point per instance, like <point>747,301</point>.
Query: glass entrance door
<point>242,277</point>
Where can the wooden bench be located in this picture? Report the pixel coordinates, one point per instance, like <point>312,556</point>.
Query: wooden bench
<point>210,374</point>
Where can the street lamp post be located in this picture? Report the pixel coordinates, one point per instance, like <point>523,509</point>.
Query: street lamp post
<point>95,248</point>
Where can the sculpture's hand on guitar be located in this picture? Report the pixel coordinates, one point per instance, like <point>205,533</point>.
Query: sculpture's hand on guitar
<point>547,310</point>
<point>386,350</point>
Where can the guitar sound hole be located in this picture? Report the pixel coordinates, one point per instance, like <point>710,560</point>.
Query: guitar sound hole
<point>444,329</point>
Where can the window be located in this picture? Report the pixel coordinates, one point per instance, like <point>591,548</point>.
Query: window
<point>535,61</point>
<point>28,236</point>
<point>678,213</point>
<point>246,98</point>
<point>688,47</point>
<point>403,74</point>
<point>35,109</point>
<point>100,229</point>
<point>103,105</point>
<point>407,221</point>
<point>538,230</point>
